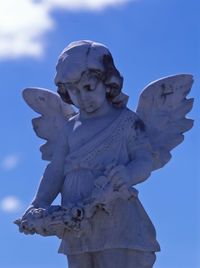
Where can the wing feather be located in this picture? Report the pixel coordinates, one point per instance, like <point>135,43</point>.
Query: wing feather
<point>163,106</point>
<point>54,113</point>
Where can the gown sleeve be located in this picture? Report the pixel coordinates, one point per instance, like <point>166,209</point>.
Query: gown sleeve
<point>136,136</point>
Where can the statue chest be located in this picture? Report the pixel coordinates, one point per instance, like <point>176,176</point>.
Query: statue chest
<point>83,132</point>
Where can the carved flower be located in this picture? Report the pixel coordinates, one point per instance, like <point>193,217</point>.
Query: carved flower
<point>77,213</point>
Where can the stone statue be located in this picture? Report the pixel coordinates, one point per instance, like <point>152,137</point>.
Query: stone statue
<point>97,154</point>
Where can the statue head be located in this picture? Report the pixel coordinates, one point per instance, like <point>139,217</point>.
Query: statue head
<point>82,60</point>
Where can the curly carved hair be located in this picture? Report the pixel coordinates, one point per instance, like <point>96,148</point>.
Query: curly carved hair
<point>110,77</point>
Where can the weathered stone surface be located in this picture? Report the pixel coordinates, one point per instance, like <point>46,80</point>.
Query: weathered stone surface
<point>98,154</point>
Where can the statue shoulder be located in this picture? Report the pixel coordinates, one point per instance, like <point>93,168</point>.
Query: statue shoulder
<point>134,120</point>
<point>70,122</point>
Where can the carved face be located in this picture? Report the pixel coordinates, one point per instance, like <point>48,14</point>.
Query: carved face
<point>88,94</point>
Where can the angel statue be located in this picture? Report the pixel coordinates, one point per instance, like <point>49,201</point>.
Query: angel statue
<point>97,153</point>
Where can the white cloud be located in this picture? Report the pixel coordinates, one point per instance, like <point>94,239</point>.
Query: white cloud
<point>10,204</point>
<point>23,23</point>
<point>83,4</point>
<point>10,161</point>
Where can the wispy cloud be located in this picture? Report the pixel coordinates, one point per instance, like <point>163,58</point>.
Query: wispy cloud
<point>83,4</point>
<point>10,161</point>
<point>10,204</point>
<point>23,23</point>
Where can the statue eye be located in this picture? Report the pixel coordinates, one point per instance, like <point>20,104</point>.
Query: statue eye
<point>88,88</point>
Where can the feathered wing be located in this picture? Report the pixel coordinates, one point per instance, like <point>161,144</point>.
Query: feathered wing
<point>163,106</point>
<point>54,113</point>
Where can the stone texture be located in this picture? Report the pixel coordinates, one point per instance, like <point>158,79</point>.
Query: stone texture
<point>98,154</point>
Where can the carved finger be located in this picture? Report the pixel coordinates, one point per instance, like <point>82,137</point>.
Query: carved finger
<point>118,181</point>
<point>114,171</point>
<point>23,227</point>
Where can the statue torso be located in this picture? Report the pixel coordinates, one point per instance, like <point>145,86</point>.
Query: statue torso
<point>81,131</point>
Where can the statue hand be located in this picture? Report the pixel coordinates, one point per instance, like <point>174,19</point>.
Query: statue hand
<point>119,176</point>
<point>26,223</point>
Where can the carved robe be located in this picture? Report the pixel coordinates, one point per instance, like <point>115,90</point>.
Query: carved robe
<point>128,225</point>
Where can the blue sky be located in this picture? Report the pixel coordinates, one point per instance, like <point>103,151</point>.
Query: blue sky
<point>148,39</point>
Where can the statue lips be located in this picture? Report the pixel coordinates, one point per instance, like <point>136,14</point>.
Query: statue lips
<point>89,107</point>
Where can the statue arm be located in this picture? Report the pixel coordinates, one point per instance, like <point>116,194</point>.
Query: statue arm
<point>140,152</point>
<point>52,180</point>
<point>139,169</point>
<point>136,171</point>
<point>140,164</point>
